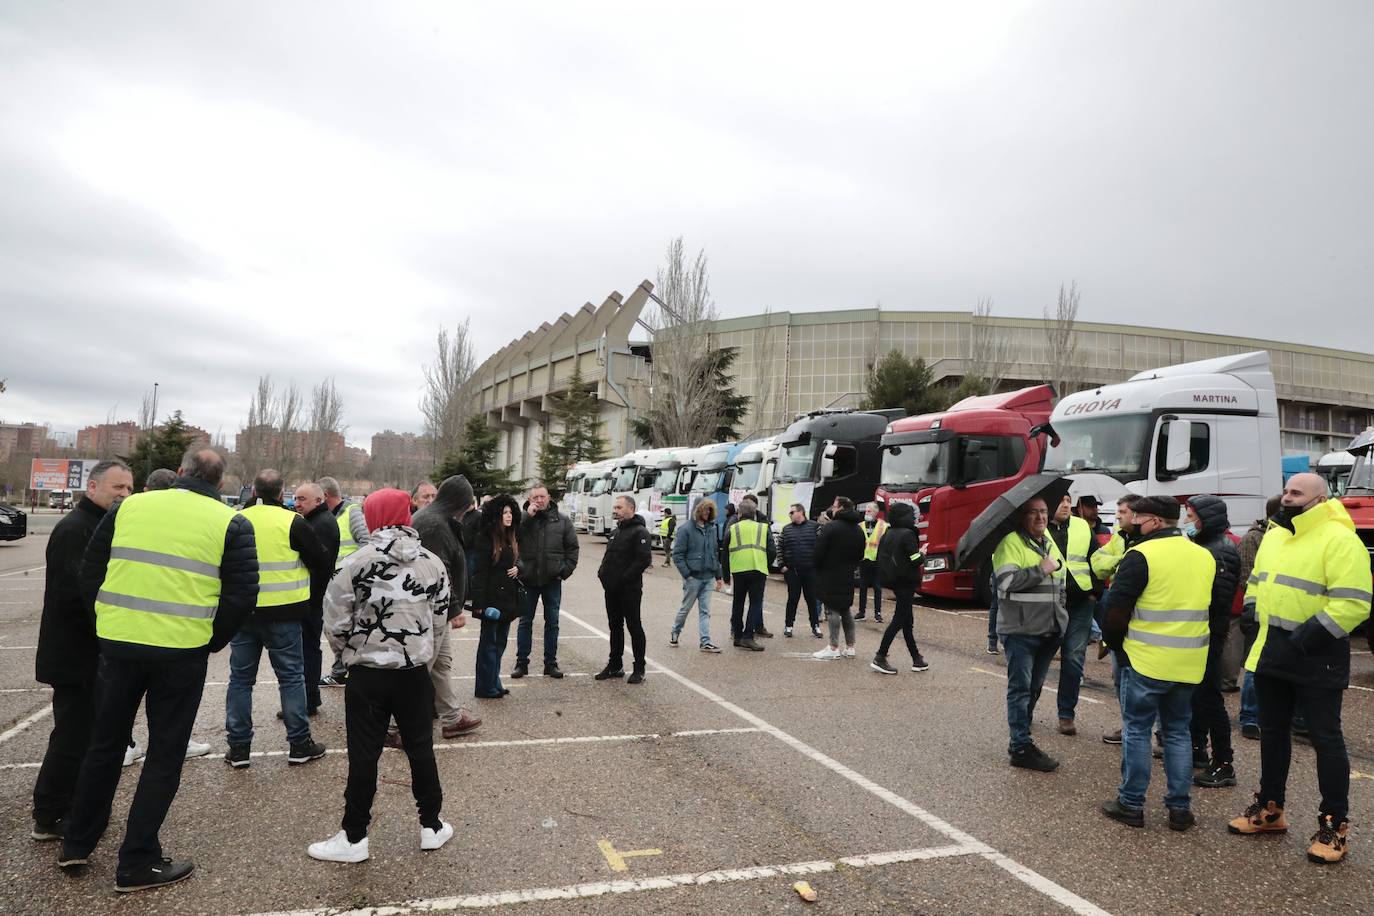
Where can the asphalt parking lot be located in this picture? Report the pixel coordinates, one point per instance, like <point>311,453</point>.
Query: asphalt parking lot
<point>712,787</point>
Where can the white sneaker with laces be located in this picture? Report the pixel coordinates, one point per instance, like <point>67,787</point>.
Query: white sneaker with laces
<point>338,849</point>
<point>196,748</point>
<point>848,651</point>
<point>132,754</point>
<point>827,654</point>
<point>433,839</point>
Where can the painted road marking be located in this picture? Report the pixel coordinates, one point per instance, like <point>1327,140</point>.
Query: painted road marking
<point>1356,774</point>
<point>23,724</point>
<point>18,572</point>
<point>658,883</point>
<point>616,858</point>
<point>1033,879</point>
<point>472,745</point>
<point>1081,698</point>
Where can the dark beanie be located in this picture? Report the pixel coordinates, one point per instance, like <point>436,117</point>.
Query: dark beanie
<point>387,507</point>
<point>1166,507</point>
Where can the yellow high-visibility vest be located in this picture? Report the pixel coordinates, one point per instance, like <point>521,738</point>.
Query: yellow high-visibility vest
<point>282,577</point>
<point>347,545</point>
<point>1079,542</point>
<point>748,547</point>
<point>871,538</point>
<point>162,583</point>
<point>1168,633</point>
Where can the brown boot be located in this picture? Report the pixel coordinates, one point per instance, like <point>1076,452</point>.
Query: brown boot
<point>1260,818</point>
<point>1329,842</point>
<point>1066,727</point>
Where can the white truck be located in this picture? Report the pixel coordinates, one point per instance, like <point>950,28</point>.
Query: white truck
<point>1210,426</point>
<point>1335,467</point>
<point>752,472</point>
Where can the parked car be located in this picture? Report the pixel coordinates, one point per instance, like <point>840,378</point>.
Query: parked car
<point>14,523</point>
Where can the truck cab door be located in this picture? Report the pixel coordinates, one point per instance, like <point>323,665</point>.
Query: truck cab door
<point>1186,456</point>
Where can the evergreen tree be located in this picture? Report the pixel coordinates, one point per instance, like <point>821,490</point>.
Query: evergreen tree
<point>163,447</point>
<point>475,461</point>
<point>971,386</point>
<point>900,382</point>
<point>580,413</point>
<point>553,464</point>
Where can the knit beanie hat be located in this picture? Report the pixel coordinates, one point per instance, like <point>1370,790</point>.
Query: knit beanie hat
<point>386,507</point>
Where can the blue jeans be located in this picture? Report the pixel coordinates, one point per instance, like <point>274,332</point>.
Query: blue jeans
<point>1143,699</point>
<point>696,591</point>
<point>1249,702</point>
<point>1028,658</point>
<point>1071,658</point>
<point>552,593</point>
<point>283,644</point>
<point>491,645</point>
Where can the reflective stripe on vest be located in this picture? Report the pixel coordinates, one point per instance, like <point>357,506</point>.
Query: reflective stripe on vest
<point>347,545</point>
<point>872,537</point>
<point>282,577</point>
<point>162,583</point>
<point>748,547</point>
<point>1079,542</point>
<point>1168,633</point>
<point>1015,553</point>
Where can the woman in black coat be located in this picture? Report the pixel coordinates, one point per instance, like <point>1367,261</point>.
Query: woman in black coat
<point>495,590</point>
<point>839,548</point>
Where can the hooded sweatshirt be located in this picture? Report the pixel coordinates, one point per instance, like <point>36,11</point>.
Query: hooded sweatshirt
<point>900,548</point>
<point>1214,534</point>
<point>383,604</point>
<point>442,535</point>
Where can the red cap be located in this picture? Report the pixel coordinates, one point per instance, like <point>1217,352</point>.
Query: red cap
<point>387,507</point>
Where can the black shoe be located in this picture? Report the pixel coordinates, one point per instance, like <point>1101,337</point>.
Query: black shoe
<point>992,646</point>
<point>156,875</point>
<point>816,632</point>
<point>1031,757</point>
<point>1120,813</point>
<point>738,640</point>
<point>1201,759</point>
<point>304,752</point>
<point>749,644</point>
<point>861,615</point>
<point>763,632</point>
<point>607,673</point>
<point>1112,737</point>
<point>880,665</point>
<point>46,831</point>
<point>73,863</point>
<point>553,671</point>
<point>1181,819</point>
<point>520,670</point>
<point>1250,731</point>
<point>919,663</point>
<point>505,691</point>
<point>238,756</point>
<point>636,676</point>
<point>877,618</point>
<point>1219,776</point>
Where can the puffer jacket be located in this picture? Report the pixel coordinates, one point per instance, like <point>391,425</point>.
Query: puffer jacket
<point>548,545</point>
<point>696,551</point>
<point>383,604</point>
<point>491,587</point>
<point>797,544</point>
<point>898,546</point>
<point>839,548</point>
<point>1214,528</point>
<point>627,555</point>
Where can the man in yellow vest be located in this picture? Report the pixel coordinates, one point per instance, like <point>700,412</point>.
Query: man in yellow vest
<point>289,552</point>
<point>667,527</point>
<point>1074,538</point>
<point>353,534</point>
<point>749,546</point>
<point>172,575</point>
<point>869,578</point>
<point>1310,587</point>
<point>1159,622</point>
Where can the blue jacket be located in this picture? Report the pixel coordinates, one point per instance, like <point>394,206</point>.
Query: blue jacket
<point>696,551</point>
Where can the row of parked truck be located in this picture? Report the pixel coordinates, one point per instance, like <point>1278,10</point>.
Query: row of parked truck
<point>1203,427</point>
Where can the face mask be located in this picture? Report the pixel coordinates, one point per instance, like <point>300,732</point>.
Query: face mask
<point>1189,530</point>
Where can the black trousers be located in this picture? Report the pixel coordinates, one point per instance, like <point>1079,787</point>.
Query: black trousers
<point>1277,700</point>
<point>172,689</point>
<point>73,716</point>
<point>903,621</point>
<point>1210,718</point>
<point>372,697</point>
<point>312,625</point>
<point>869,579</point>
<point>748,584</point>
<point>802,583</point>
<point>622,613</point>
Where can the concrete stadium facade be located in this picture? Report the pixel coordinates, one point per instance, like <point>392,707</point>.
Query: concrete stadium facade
<point>792,362</point>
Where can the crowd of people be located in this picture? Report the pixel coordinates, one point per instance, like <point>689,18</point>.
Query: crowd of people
<point>142,588</point>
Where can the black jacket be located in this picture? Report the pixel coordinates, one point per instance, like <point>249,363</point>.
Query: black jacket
<point>318,560</point>
<point>627,555</point>
<point>238,577</point>
<point>797,544</point>
<point>67,647</point>
<point>548,545</point>
<point>326,528</point>
<point>442,535</point>
<point>1214,523</point>
<point>491,587</point>
<point>899,545</point>
<point>839,548</point>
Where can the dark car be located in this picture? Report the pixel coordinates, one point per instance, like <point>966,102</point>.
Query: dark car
<point>14,523</point>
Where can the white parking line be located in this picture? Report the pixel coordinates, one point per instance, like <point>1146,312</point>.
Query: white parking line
<point>23,724</point>
<point>19,572</point>
<point>659,883</point>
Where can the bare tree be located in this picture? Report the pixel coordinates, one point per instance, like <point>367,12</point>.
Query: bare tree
<point>766,414</point>
<point>326,429</point>
<point>992,350</point>
<point>272,436</point>
<point>446,403</point>
<point>1062,369</point>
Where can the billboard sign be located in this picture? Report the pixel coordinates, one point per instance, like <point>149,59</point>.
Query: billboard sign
<point>60,473</point>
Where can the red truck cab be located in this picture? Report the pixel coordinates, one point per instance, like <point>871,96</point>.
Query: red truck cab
<point>1359,489</point>
<point>952,465</point>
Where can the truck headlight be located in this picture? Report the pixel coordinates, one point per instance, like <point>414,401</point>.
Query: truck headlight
<point>937,564</point>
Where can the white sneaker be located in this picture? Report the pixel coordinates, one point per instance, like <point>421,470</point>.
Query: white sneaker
<point>848,651</point>
<point>338,849</point>
<point>132,754</point>
<point>196,748</point>
<point>433,839</point>
<point>827,653</point>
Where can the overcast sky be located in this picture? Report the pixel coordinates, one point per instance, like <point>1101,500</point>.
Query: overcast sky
<point>199,193</point>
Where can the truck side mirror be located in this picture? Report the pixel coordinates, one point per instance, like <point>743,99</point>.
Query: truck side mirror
<point>1178,456</point>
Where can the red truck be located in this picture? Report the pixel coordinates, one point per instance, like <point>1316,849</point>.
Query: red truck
<point>1359,489</point>
<point>952,465</point>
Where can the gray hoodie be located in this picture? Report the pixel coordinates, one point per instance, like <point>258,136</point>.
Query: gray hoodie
<point>382,605</point>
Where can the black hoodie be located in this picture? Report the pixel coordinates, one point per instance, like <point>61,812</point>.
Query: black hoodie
<point>839,548</point>
<point>627,555</point>
<point>442,535</point>
<point>898,546</point>
<point>1213,526</point>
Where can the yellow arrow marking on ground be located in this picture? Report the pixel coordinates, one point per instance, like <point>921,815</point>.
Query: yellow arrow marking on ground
<point>616,859</point>
<point>1356,774</point>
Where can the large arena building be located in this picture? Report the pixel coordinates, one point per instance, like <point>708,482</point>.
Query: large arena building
<point>792,362</point>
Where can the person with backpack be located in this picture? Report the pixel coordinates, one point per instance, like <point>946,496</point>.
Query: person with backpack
<point>899,568</point>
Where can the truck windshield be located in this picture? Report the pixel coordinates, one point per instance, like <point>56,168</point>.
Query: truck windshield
<point>602,485</point>
<point>795,463</point>
<point>667,480</point>
<point>625,478</point>
<point>1361,480</point>
<point>913,467</point>
<point>708,481</point>
<point>747,475</point>
<point>1118,445</point>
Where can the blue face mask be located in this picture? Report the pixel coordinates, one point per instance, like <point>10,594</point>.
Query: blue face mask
<point>1189,530</point>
